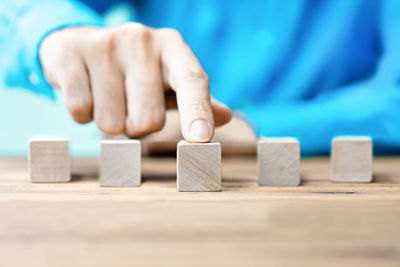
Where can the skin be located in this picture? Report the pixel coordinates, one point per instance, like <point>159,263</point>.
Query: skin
<point>236,137</point>
<point>126,77</point>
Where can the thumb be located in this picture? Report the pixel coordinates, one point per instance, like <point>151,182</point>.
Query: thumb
<point>222,114</point>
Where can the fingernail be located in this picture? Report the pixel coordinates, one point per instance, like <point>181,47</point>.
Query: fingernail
<point>200,131</point>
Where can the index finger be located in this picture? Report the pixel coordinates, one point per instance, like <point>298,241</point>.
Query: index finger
<point>187,78</point>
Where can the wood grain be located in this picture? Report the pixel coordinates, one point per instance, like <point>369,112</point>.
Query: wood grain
<point>278,162</point>
<point>319,223</point>
<point>120,163</point>
<point>199,167</point>
<point>351,159</point>
<point>49,160</point>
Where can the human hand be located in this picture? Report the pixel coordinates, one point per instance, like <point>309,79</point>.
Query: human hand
<point>237,138</point>
<point>126,77</point>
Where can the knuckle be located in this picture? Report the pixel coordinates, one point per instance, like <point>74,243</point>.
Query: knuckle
<point>64,40</point>
<point>198,107</point>
<point>110,125</point>
<point>197,75</point>
<point>75,98</point>
<point>172,34</point>
<point>103,43</point>
<point>149,122</point>
<point>136,33</point>
<point>143,34</point>
<point>67,44</point>
<point>79,109</point>
<point>138,37</point>
<point>50,58</point>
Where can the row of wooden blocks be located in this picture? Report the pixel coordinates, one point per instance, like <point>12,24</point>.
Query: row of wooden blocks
<point>199,165</point>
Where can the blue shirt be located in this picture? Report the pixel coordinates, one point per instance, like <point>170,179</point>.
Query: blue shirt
<point>303,68</point>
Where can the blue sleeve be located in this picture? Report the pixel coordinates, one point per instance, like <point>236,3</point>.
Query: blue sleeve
<point>23,25</point>
<point>390,32</point>
<point>370,107</point>
<point>367,108</point>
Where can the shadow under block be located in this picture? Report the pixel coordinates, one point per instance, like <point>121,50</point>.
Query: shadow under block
<point>278,162</point>
<point>49,160</point>
<point>351,159</point>
<point>120,163</point>
<point>199,166</point>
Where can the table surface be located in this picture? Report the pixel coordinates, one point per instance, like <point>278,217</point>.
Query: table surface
<point>319,223</point>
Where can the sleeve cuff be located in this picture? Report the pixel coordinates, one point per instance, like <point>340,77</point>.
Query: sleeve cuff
<point>39,21</point>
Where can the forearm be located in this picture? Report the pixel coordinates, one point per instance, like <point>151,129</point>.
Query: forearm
<point>368,108</point>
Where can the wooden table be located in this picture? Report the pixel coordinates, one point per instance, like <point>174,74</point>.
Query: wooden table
<point>316,224</point>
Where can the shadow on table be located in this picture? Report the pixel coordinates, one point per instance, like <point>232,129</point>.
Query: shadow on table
<point>84,177</point>
<point>158,177</point>
<point>385,178</point>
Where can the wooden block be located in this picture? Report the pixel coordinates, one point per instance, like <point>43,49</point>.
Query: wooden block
<point>278,161</point>
<point>199,166</point>
<point>120,163</point>
<point>49,160</point>
<point>351,159</point>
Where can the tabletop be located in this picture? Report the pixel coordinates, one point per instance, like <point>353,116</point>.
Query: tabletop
<point>317,223</point>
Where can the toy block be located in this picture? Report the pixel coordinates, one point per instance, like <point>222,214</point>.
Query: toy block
<point>199,166</point>
<point>278,161</point>
<point>351,159</point>
<point>48,160</point>
<point>120,163</point>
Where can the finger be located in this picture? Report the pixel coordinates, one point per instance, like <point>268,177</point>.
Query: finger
<point>108,94</point>
<point>187,78</point>
<point>143,83</point>
<point>73,80</point>
<point>145,101</point>
<point>222,114</point>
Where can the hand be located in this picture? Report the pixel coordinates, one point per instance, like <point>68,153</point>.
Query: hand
<point>127,76</point>
<point>236,137</point>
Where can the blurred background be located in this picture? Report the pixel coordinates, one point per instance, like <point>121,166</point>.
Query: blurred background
<point>25,114</point>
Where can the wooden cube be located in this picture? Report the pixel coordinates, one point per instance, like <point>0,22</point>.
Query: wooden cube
<point>278,161</point>
<point>199,166</point>
<point>48,160</point>
<point>351,159</point>
<point>120,163</point>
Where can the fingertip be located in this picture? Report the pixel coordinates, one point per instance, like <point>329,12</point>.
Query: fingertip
<point>200,132</point>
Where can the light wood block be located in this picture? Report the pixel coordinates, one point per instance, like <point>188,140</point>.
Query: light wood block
<point>199,166</point>
<point>278,161</point>
<point>351,159</point>
<point>49,160</point>
<point>120,163</point>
